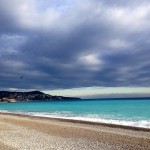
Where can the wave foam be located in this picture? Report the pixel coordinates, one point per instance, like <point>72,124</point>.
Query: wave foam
<point>89,117</point>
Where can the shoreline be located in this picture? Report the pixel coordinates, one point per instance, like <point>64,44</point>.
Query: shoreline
<point>144,129</point>
<point>24,132</point>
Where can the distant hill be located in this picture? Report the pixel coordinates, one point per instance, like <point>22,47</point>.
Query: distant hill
<point>7,96</point>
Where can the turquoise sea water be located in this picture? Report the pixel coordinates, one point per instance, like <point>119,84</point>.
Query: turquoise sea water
<point>124,112</point>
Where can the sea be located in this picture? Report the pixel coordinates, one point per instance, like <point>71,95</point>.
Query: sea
<point>128,112</point>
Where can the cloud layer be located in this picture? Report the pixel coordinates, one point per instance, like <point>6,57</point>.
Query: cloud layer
<point>74,43</point>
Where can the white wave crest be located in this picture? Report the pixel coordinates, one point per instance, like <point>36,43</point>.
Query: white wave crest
<point>88,117</point>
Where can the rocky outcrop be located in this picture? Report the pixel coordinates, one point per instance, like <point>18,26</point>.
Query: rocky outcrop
<point>6,96</point>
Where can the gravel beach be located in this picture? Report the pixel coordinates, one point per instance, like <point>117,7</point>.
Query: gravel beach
<point>18,132</point>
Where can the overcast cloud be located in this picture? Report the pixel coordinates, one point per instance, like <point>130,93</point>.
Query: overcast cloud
<point>72,43</point>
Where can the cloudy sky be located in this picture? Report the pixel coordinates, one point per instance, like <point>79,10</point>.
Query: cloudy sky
<point>75,45</point>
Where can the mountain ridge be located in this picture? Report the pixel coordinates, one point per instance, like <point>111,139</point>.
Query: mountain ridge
<point>9,96</point>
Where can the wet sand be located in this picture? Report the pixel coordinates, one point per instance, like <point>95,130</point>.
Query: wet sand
<point>37,133</point>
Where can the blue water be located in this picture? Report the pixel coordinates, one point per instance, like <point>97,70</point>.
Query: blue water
<point>124,112</point>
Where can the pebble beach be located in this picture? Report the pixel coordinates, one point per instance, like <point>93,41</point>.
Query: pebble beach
<point>20,132</point>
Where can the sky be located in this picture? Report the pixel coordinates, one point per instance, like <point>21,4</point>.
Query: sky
<point>75,47</point>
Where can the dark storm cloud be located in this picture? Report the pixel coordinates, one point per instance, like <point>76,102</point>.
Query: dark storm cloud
<point>74,44</point>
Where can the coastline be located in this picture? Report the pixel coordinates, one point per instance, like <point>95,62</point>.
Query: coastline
<point>68,133</point>
<point>76,121</point>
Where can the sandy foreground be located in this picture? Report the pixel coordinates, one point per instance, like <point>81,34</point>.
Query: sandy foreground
<point>37,133</point>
